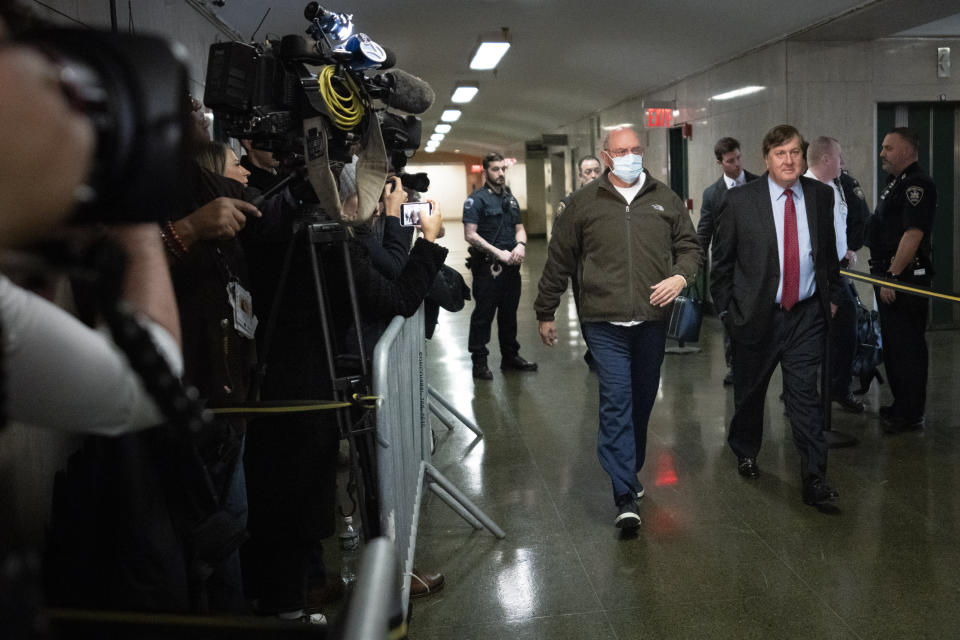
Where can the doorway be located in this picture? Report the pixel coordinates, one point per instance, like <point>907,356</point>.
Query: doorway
<point>677,162</point>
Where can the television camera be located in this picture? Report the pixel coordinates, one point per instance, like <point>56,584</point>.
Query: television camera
<point>265,91</point>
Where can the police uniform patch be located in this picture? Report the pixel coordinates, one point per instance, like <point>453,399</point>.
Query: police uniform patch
<point>561,207</point>
<point>468,203</point>
<point>859,192</point>
<point>914,195</point>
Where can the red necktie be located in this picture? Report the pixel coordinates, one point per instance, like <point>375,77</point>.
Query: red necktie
<point>791,254</point>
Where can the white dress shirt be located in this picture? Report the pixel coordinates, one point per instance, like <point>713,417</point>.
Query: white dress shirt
<point>839,216</point>
<point>731,183</point>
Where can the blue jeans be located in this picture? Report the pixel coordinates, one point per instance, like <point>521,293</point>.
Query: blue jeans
<point>628,363</point>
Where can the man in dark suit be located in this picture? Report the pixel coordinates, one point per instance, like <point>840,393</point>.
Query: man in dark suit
<point>775,281</point>
<point>727,151</point>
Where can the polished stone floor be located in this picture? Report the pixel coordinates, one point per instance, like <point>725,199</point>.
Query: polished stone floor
<point>717,556</point>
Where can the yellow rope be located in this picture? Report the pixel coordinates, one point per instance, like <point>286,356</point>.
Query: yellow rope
<point>369,402</point>
<point>899,286</point>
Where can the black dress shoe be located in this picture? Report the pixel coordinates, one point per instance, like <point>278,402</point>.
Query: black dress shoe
<point>893,424</point>
<point>482,372</point>
<point>516,363</point>
<point>849,402</point>
<point>817,493</point>
<point>747,467</point>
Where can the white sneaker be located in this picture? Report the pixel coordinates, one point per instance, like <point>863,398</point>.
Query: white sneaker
<point>627,518</point>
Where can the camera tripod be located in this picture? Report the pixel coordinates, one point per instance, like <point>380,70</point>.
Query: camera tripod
<point>347,373</point>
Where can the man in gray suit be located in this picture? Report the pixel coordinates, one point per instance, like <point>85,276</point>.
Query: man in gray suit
<point>776,282</point>
<point>727,151</point>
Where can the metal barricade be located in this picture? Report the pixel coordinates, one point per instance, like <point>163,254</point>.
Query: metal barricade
<point>404,439</point>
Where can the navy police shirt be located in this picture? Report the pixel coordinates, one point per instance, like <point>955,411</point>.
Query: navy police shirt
<point>496,216</point>
<point>908,201</point>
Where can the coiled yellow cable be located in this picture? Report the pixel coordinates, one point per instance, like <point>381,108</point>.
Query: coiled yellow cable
<point>346,110</point>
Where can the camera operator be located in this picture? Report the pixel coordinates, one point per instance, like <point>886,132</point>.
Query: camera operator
<point>49,151</point>
<point>262,165</point>
<point>291,461</point>
<point>387,240</point>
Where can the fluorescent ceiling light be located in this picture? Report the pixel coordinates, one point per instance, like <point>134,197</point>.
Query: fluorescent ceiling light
<point>443,128</point>
<point>464,94</point>
<point>488,55</point>
<point>430,149</point>
<point>618,126</point>
<point>438,136</point>
<point>736,93</point>
<point>450,115</point>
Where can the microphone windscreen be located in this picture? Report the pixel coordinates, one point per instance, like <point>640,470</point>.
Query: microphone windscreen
<point>410,93</point>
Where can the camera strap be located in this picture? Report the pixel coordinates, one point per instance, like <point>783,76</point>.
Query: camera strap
<point>316,153</point>
<point>371,170</point>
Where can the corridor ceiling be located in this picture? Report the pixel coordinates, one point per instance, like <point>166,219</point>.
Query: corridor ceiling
<point>569,58</point>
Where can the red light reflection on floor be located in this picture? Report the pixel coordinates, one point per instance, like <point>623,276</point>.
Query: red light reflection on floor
<point>665,475</point>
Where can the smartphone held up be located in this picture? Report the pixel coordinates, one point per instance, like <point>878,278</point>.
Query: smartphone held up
<point>412,212</point>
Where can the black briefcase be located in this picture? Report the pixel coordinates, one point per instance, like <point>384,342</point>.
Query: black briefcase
<point>685,319</point>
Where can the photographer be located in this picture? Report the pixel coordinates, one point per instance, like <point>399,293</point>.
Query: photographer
<point>41,342</point>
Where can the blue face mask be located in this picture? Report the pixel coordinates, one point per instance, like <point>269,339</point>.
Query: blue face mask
<point>628,168</point>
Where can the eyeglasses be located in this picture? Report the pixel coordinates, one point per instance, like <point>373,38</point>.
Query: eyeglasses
<point>616,153</point>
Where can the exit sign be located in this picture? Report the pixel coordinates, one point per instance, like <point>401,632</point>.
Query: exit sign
<point>659,118</point>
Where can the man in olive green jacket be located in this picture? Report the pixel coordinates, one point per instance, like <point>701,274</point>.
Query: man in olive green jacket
<point>631,242</point>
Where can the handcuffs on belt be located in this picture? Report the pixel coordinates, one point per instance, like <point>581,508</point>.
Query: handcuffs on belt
<point>496,267</point>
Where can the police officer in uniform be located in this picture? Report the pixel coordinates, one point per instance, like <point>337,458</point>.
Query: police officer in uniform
<point>493,228</point>
<point>899,241</point>
<point>588,170</point>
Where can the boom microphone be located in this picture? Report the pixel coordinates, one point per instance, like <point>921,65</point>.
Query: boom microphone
<point>406,92</point>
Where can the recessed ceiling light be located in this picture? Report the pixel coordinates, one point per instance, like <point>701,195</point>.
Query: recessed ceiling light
<point>736,93</point>
<point>488,55</point>
<point>618,126</point>
<point>464,94</point>
<point>450,115</point>
<point>443,128</point>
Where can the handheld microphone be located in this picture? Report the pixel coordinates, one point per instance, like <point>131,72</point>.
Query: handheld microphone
<point>406,92</point>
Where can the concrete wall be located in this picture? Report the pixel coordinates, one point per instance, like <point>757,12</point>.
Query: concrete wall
<point>184,21</point>
<point>822,88</point>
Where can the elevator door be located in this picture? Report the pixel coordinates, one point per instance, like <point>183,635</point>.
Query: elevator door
<point>936,125</point>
